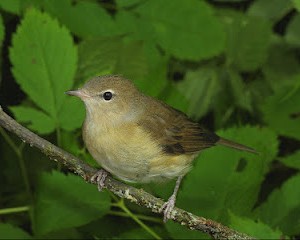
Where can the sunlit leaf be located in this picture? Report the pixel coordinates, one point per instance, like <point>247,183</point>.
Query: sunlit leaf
<point>44,60</point>
<point>186,29</point>
<point>71,114</point>
<point>84,18</point>
<point>36,119</point>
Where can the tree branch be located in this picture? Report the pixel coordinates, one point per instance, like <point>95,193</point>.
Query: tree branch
<point>138,196</point>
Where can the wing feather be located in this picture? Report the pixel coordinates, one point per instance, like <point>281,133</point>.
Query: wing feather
<point>176,133</point>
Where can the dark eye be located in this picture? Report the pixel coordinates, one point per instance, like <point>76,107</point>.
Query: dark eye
<point>107,96</point>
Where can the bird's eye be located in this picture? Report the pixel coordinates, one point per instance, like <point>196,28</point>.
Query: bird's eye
<point>107,96</point>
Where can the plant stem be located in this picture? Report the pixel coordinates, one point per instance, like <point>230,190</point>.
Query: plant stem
<point>14,210</point>
<point>115,198</point>
<point>24,174</point>
<point>9,141</point>
<point>136,219</point>
<point>18,151</point>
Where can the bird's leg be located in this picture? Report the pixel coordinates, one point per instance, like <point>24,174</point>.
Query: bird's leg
<point>100,177</point>
<point>168,206</point>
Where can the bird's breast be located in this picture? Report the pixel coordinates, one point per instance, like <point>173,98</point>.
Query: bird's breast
<point>130,153</point>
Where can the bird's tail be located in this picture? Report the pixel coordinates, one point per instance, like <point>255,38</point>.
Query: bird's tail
<point>228,143</point>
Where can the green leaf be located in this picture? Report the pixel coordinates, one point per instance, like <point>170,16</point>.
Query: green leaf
<point>292,35</point>
<point>8,231</point>
<point>136,233</point>
<point>292,160</point>
<point>199,87</point>
<point>65,201</point>
<point>270,10</point>
<point>225,178</point>
<point>144,65</point>
<point>157,65</point>
<point>182,232</point>
<point>12,6</point>
<point>127,3</point>
<point>44,61</point>
<point>129,24</point>
<point>297,4</point>
<point>105,227</point>
<point>72,113</point>
<point>69,233</point>
<point>2,32</point>
<point>19,6</point>
<point>253,228</point>
<point>186,29</point>
<point>97,57</point>
<point>71,143</point>
<point>132,61</point>
<point>37,120</point>
<point>248,40</point>
<point>282,67</point>
<point>230,1</point>
<point>282,114</point>
<point>283,207</point>
<point>173,97</point>
<point>84,18</point>
<point>111,56</point>
<point>240,94</point>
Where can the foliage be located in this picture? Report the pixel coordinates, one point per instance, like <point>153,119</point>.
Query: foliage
<point>231,65</point>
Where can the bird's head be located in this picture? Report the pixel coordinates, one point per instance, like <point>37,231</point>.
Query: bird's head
<point>109,98</point>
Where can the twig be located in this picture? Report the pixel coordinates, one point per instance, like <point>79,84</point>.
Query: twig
<point>138,196</point>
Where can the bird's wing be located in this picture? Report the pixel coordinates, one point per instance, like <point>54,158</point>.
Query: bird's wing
<point>176,133</point>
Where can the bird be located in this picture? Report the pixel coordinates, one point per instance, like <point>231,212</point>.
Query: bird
<point>138,138</point>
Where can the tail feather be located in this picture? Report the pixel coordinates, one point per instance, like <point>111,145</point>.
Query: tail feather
<point>228,143</point>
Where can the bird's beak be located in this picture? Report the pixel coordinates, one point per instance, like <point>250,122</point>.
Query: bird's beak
<point>78,93</point>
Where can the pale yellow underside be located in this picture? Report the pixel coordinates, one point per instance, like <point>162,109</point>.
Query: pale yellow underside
<point>128,152</point>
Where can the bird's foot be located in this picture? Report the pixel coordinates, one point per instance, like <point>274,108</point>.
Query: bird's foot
<point>99,178</point>
<point>168,207</point>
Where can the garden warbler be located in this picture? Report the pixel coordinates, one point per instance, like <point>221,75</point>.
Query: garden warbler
<point>138,138</point>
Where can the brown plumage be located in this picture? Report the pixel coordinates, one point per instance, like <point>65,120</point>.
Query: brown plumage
<point>176,133</point>
<point>138,138</point>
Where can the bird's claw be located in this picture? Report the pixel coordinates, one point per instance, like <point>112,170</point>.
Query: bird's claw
<point>168,207</point>
<point>99,178</point>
